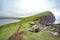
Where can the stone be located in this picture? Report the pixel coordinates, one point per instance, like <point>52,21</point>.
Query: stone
<point>55,33</point>
<point>43,21</point>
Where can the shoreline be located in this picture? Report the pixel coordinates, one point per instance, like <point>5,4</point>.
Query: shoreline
<point>9,22</point>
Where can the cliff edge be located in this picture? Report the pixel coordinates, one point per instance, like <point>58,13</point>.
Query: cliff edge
<point>43,22</point>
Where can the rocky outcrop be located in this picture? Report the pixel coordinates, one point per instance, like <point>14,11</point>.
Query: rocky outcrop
<point>43,22</point>
<point>55,29</point>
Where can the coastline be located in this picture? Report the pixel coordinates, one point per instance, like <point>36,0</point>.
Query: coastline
<point>7,30</point>
<point>7,21</point>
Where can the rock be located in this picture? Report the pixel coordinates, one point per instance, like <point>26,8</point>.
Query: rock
<point>49,19</point>
<point>55,33</point>
<point>55,29</point>
<point>42,21</point>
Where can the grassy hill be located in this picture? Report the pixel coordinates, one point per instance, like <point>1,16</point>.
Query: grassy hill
<point>7,30</point>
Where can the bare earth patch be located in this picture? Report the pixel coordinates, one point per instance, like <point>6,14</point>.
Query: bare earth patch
<point>17,35</point>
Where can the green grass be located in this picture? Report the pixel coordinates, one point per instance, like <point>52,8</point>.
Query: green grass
<point>43,35</point>
<point>7,30</point>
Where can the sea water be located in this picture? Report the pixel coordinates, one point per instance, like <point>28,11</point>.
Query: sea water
<point>7,21</point>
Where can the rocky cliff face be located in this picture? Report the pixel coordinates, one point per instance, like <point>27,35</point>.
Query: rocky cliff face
<point>44,21</point>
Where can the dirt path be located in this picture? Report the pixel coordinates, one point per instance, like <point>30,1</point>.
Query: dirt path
<point>17,35</point>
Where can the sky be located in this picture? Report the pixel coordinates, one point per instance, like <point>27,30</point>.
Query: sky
<point>22,8</point>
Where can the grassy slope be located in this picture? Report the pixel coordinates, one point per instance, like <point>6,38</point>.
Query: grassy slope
<point>7,30</point>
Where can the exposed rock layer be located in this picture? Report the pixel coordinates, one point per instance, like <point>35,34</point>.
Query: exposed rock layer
<point>44,21</point>
<point>49,19</point>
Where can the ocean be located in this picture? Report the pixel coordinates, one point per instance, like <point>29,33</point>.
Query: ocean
<point>7,21</point>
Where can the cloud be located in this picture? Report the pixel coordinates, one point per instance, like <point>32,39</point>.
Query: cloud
<point>18,8</point>
<point>54,7</point>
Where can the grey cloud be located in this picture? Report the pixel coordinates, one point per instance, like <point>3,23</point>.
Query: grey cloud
<point>8,8</point>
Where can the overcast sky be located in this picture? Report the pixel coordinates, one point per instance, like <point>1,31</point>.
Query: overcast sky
<point>17,8</point>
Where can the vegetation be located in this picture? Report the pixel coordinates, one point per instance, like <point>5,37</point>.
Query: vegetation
<point>7,30</point>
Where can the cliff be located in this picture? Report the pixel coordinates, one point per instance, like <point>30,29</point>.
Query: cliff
<point>43,22</point>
